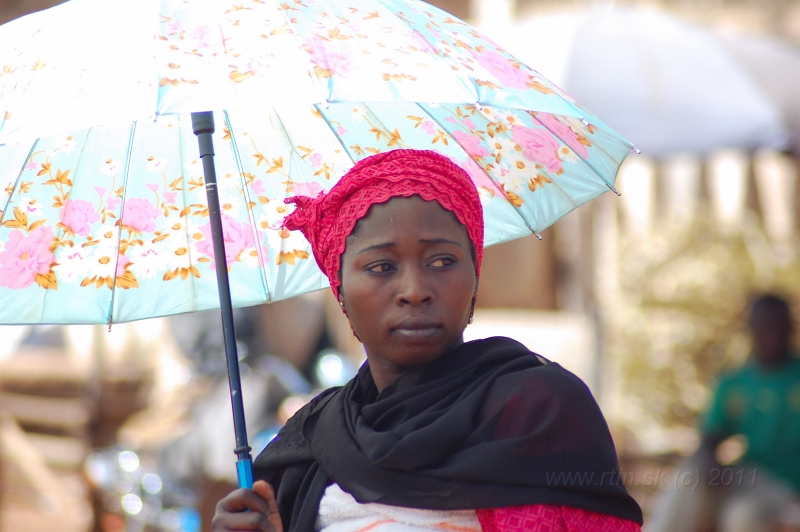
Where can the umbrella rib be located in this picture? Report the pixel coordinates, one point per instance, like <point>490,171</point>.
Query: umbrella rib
<point>250,215</point>
<point>121,218</point>
<point>16,181</point>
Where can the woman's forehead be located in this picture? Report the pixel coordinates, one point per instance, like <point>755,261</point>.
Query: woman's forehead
<point>407,213</point>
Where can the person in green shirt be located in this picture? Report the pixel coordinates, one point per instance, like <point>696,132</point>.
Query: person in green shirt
<point>761,402</point>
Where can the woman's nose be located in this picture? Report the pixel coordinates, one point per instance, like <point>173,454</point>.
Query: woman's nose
<point>414,288</point>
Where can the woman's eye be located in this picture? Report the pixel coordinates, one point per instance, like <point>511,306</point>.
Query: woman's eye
<point>381,267</point>
<point>441,262</point>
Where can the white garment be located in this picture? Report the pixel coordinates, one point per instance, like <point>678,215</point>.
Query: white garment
<point>340,512</point>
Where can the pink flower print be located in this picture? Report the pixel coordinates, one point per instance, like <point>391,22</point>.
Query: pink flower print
<point>138,215</point>
<point>329,60</point>
<point>31,166</point>
<point>100,190</point>
<point>564,132</point>
<point>316,160</point>
<point>312,190</point>
<point>538,146</point>
<point>469,123</point>
<point>152,186</point>
<point>25,256</point>
<point>258,186</point>
<point>112,203</point>
<point>238,237</point>
<point>171,196</point>
<point>202,36</point>
<point>174,26</point>
<point>78,215</point>
<point>470,143</point>
<point>341,131</point>
<point>429,127</point>
<point>509,73</point>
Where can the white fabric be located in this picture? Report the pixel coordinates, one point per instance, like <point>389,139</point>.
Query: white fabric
<point>340,512</point>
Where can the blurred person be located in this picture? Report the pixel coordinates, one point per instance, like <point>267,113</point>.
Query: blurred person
<point>433,433</point>
<point>761,402</point>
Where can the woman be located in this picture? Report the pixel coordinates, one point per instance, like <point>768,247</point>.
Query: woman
<point>433,433</point>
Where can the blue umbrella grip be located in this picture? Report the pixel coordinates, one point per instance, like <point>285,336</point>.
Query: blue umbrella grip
<point>244,471</point>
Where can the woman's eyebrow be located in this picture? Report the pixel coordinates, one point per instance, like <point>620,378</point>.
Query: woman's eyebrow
<point>439,241</point>
<point>385,245</point>
<point>376,246</point>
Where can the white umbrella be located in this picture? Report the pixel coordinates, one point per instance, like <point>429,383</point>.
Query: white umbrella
<point>775,65</point>
<point>667,85</point>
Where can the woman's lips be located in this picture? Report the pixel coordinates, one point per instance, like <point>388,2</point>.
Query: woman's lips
<point>417,328</point>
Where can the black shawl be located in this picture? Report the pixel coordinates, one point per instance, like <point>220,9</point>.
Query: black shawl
<point>488,425</point>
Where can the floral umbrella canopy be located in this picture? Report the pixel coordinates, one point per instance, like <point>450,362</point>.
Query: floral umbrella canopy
<point>102,203</point>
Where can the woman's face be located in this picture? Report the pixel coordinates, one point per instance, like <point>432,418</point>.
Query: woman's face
<point>408,280</point>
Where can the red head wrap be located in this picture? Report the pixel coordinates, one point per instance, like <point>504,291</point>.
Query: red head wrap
<point>327,220</point>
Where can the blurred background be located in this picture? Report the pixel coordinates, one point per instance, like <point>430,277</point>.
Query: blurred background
<point>644,296</point>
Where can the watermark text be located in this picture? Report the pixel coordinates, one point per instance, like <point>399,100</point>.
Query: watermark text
<point>682,478</point>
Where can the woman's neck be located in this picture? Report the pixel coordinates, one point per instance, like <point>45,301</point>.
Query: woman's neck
<point>385,374</point>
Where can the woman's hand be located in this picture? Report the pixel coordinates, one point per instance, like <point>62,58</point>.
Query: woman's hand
<point>263,515</point>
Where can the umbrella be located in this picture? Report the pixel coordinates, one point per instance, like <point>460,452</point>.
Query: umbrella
<point>775,67</point>
<point>104,216</point>
<point>672,86</point>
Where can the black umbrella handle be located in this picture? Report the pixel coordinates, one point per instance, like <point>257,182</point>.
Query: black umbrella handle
<point>203,127</point>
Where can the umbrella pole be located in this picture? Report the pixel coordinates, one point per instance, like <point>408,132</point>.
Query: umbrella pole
<point>203,127</point>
